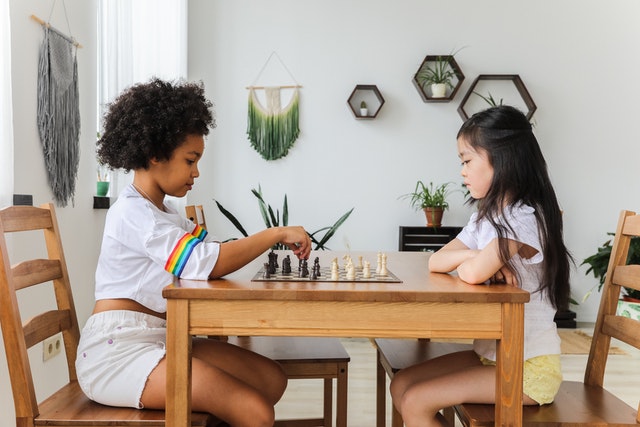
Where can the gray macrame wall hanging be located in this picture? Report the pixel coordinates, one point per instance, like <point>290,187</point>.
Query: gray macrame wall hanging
<point>58,111</point>
<point>272,129</point>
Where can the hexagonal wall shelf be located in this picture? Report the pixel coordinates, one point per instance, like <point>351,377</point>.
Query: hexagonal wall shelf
<point>371,96</point>
<point>425,92</point>
<point>509,85</point>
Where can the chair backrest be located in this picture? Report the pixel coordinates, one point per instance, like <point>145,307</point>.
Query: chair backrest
<point>20,335</point>
<point>610,324</point>
<point>196,214</point>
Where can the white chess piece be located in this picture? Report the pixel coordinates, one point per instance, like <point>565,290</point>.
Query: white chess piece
<point>360,262</point>
<point>383,268</point>
<point>335,275</point>
<point>351,272</point>
<point>379,263</point>
<point>366,270</point>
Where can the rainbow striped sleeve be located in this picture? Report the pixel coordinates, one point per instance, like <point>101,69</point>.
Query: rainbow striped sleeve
<point>180,254</point>
<point>199,233</point>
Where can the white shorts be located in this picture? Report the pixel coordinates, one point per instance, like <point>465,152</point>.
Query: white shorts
<point>118,350</point>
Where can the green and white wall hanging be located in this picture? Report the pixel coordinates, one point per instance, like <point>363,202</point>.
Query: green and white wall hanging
<point>272,129</point>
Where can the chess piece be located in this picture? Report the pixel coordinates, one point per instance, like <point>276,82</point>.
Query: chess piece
<point>360,262</point>
<point>286,265</point>
<point>316,266</point>
<point>379,263</point>
<point>351,272</point>
<point>304,271</point>
<point>335,274</point>
<point>266,273</point>
<point>366,270</point>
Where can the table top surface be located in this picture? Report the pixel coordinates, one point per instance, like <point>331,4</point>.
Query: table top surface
<point>418,284</point>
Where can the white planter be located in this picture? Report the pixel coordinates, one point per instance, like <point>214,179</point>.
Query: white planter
<point>364,112</point>
<point>438,90</point>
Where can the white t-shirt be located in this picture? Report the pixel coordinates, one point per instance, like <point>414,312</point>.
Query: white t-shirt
<point>145,249</point>
<point>540,332</point>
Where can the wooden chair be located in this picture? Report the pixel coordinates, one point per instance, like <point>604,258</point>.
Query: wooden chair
<point>396,354</point>
<point>587,403</point>
<point>301,358</point>
<point>68,406</point>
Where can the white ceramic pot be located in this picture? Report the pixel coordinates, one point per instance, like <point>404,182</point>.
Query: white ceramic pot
<point>364,112</point>
<point>438,90</point>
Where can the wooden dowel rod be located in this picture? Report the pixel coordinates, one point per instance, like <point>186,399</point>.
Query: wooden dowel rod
<point>46,24</point>
<point>281,87</point>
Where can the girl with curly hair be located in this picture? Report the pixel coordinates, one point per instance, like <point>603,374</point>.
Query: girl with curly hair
<point>514,238</point>
<point>157,130</point>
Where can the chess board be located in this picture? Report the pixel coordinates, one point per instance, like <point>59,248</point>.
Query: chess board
<point>325,276</point>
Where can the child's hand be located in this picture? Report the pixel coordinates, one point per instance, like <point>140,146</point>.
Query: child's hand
<point>297,239</point>
<point>504,277</point>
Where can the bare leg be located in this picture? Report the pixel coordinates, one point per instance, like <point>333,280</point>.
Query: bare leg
<point>236,385</point>
<point>420,391</point>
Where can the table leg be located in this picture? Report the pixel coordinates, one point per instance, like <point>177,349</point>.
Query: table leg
<point>178,409</point>
<point>510,352</point>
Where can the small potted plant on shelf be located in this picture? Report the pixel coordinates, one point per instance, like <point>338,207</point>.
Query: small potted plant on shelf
<point>364,111</point>
<point>431,199</point>
<point>598,263</point>
<point>437,76</point>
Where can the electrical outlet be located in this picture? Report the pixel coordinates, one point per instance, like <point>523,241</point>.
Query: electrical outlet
<point>51,347</point>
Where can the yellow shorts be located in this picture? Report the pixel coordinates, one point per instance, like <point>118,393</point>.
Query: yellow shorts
<point>542,376</point>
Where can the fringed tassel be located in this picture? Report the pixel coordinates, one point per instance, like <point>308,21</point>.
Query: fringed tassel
<point>273,134</point>
<point>58,115</point>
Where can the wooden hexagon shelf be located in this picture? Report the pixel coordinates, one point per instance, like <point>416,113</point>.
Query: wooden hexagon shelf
<point>426,93</point>
<point>371,96</point>
<point>514,79</point>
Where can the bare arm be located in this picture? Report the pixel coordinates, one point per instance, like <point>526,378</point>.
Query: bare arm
<point>236,254</point>
<point>450,256</point>
<point>473,266</point>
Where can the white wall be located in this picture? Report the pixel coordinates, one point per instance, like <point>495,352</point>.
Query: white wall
<point>564,51</point>
<point>81,225</point>
<point>580,69</point>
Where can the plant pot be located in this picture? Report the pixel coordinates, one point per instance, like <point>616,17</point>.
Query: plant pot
<point>102,188</point>
<point>364,112</point>
<point>434,216</point>
<point>438,90</point>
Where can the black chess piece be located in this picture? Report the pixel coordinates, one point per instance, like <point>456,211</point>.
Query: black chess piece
<point>266,273</point>
<point>316,267</point>
<point>286,265</point>
<point>304,270</point>
<point>273,262</point>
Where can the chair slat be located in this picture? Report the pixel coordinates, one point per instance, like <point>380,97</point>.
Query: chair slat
<point>25,218</point>
<point>33,272</point>
<point>45,325</point>
<point>627,276</point>
<point>623,329</point>
<point>632,226</point>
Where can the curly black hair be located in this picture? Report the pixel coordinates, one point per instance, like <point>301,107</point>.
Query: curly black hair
<point>150,120</point>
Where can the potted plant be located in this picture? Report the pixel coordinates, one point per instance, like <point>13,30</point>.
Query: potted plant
<point>437,75</point>
<point>364,111</point>
<point>431,199</point>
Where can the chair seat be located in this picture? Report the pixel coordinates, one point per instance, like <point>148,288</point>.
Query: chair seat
<point>69,406</point>
<point>576,404</point>
<point>300,357</point>
<point>396,354</point>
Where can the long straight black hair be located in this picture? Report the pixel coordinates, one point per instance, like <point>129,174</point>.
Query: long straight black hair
<point>520,176</point>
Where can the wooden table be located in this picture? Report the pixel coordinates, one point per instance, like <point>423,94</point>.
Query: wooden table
<point>424,305</point>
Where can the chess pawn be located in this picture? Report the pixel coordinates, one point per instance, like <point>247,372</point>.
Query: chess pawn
<point>351,272</point>
<point>366,270</point>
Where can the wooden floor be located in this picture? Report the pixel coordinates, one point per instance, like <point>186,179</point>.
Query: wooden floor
<point>304,397</point>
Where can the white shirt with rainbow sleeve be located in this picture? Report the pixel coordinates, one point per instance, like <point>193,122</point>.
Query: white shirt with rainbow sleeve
<point>145,249</point>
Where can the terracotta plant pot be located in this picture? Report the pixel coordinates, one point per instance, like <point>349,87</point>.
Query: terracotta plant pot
<point>434,216</point>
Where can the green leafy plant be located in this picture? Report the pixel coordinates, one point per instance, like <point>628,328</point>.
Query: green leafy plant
<point>430,196</point>
<point>272,219</point>
<point>363,104</point>
<point>599,262</point>
<point>490,100</point>
<point>438,72</point>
